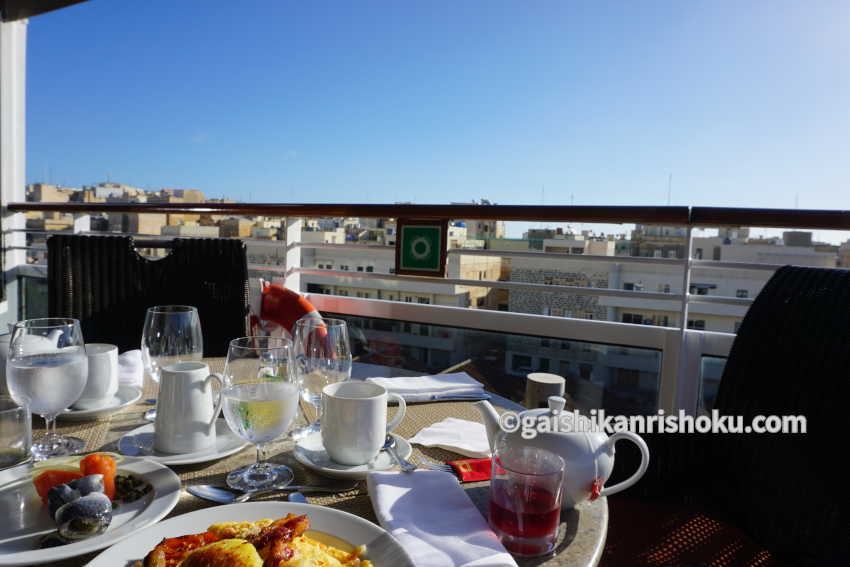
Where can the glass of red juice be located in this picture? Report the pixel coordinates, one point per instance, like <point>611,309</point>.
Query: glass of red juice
<point>525,499</point>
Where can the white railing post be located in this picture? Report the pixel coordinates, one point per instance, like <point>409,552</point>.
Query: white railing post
<point>293,253</point>
<point>13,45</point>
<point>82,222</point>
<point>687,378</point>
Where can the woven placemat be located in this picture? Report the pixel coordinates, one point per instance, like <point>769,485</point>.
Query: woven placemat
<point>582,531</point>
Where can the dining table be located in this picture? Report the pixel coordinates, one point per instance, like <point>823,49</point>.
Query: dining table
<point>582,531</point>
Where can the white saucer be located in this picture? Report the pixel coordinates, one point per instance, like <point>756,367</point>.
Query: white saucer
<point>125,396</point>
<point>311,453</point>
<point>139,443</point>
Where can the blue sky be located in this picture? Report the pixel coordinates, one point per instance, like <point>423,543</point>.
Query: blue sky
<point>744,103</point>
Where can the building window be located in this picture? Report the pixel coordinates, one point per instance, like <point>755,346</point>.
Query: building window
<point>565,345</point>
<point>479,302</point>
<point>370,268</point>
<point>321,266</point>
<point>423,300</point>
<point>544,343</point>
<point>366,295</point>
<point>408,299</point>
<point>329,266</point>
<point>698,254</point>
<point>359,268</point>
<point>520,362</point>
<point>663,321</point>
<point>630,286</point>
<point>664,288</point>
<point>633,318</point>
<point>697,324</point>
<point>543,364</point>
<point>342,292</point>
<point>742,293</point>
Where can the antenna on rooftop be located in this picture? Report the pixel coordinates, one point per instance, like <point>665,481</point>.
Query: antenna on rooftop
<point>669,188</point>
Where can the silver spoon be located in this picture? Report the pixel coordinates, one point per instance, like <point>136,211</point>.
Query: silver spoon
<point>389,447</point>
<point>225,495</point>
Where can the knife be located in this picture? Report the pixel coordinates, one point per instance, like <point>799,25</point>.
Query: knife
<point>458,397</point>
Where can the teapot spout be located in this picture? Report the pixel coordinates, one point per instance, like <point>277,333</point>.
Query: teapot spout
<point>491,421</point>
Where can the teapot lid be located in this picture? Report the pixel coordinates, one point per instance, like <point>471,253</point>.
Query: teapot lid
<point>556,404</point>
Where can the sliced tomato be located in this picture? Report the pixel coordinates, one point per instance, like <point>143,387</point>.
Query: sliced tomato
<point>50,478</point>
<point>98,463</point>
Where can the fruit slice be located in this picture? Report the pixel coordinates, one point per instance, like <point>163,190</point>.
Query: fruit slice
<point>98,463</point>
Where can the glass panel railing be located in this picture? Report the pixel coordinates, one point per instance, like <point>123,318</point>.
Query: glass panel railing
<point>711,371</point>
<point>622,380</point>
<point>33,297</point>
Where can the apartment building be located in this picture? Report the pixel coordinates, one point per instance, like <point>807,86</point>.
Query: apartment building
<point>791,249</point>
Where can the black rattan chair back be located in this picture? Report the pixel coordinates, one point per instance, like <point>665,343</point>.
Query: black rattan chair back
<point>103,282</point>
<point>791,357</point>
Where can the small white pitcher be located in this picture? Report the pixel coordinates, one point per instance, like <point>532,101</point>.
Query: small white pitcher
<point>185,412</point>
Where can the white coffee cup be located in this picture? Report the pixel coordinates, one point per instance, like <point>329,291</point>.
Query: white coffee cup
<point>185,412</point>
<point>354,420</point>
<point>102,383</point>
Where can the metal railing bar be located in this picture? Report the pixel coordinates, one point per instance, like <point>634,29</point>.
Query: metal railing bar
<point>720,299</point>
<point>674,216</point>
<point>735,265</point>
<point>557,255</point>
<point>554,213</point>
<point>574,290</point>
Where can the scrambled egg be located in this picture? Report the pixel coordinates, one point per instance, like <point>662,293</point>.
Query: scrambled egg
<point>234,551</point>
<point>224,553</point>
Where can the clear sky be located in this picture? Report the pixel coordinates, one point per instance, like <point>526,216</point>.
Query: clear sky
<point>743,103</point>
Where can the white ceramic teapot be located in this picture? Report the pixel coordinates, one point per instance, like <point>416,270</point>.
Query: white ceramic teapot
<point>589,455</point>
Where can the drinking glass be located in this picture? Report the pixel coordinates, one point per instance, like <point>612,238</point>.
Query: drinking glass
<point>15,433</point>
<point>322,356</point>
<point>525,498</point>
<point>47,371</point>
<point>260,402</point>
<point>172,333</point>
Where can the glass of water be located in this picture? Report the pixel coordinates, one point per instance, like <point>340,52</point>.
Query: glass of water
<point>260,402</point>
<point>15,433</point>
<point>47,371</point>
<point>172,333</point>
<point>322,356</point>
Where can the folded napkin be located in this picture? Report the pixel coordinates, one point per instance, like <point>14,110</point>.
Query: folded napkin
<point>467,438</point>
<point>421,388</point>
<point>434,520</point>
<point>130,369</point>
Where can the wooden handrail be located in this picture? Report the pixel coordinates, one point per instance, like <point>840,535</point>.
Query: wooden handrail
<point>674,216</point>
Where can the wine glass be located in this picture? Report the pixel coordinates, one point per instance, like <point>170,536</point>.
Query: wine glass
<point>322,356</point>
<point>172,333</point>
<point>47,370</point>
<point>260,402</point>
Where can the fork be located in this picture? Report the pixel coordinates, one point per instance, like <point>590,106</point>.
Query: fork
<point>428,463</point>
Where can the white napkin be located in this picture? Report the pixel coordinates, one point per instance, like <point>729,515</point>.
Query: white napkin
<point>458,435</point>
<point>421,388</point>
<point>130,369</point>
<point>434,520</point>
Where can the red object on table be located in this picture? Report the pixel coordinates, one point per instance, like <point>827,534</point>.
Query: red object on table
<point>471,470</point>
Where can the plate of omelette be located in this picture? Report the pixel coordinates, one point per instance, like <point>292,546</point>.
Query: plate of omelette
<point>259,534</point>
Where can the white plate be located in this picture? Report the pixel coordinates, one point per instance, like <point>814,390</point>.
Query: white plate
<point>125,396</point>
<point>381,548</point>
<point>25,519</point>
<point>311,453</point>
<point>139,442</point>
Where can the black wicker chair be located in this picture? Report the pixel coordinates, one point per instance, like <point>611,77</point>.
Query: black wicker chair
<point>103,282</point>
<point>768,499</point>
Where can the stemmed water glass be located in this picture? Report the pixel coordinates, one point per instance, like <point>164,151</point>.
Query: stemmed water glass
<point>322,356</point>
<point>46,371</point>
<point>172,333</point>
<point>260,402</point>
